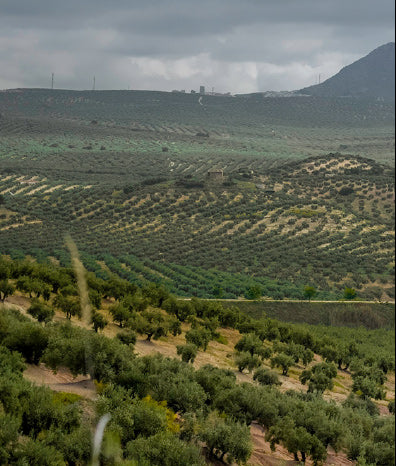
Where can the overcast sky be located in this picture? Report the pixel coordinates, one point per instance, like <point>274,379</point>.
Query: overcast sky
<point>230,45</point>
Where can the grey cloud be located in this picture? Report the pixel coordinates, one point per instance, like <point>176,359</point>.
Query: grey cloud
<point>182,42</point>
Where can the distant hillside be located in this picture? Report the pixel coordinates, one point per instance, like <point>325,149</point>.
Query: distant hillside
<point>371,76</point>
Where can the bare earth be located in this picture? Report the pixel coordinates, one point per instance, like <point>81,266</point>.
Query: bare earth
<point>61,381</point>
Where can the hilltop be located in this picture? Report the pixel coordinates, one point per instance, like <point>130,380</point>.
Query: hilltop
<point>371,76</point>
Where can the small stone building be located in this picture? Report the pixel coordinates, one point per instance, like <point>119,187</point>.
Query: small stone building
<point>215,174</point>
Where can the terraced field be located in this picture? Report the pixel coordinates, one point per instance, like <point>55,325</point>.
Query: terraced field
<point>306,198</point>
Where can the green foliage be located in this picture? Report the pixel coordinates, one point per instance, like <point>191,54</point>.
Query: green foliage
<point>283,361</point>
<point>41,311</point>
<point>142,394</point>
<point>68,304</point>
<point>252,344</point>
<point>297,439</point>
<point>6,289</point>
<point>367,388</point>
<point>307,356</point>
<point>245,360</point>
<point>309,292</point>
<point>266,377</point>
<point>151,323</point>
<point>319,377</point>
<point>391,406</point>
<point>214,381</point>
<point>200,337</point>
<point>253,292</point>
<point>164,449</point>
<point>9,427</point>
<point>128,337</point>
<point>224,437</point>
<point>84,352</point>
<point>131,417</point>
<point>98,321</point>
<point>350,293</point>
<point>36,426</point>
<point>187,352</point>
<point>95,298</point>
<point>36,453</point>
<point>175,327</point>
<point>28,339</point>
<point>120,314</point>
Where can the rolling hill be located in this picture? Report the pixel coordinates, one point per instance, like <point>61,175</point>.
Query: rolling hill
<point>126,174</point>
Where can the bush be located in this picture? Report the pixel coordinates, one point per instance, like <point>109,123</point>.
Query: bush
<point>29,339</point>
<point>266,377</point>
<point>252,344</point>
<point>200,337</point>
<point>187,352</point>
<point>127,337</point>
<point>164,449</point>
<point>98,321</point>
<point>283,361</point>
<point>319,377</point>
<point>226,437</point>
<point>245,360</point>
<point>41,311</point>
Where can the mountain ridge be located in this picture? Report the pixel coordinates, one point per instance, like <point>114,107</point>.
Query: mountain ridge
<point>371,76</point>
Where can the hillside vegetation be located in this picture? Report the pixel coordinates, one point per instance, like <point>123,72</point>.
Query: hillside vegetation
<point>165,411</point>
<point>126,174</point>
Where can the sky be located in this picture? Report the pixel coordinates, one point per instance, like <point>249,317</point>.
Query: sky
<point>236,46</point>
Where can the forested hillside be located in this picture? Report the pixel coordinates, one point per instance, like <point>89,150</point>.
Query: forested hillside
<point>172,410</point>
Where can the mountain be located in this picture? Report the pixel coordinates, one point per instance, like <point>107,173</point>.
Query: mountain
<point>371,76</point>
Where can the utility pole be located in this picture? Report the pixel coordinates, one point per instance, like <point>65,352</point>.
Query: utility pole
<point>93,87</point>
<point>52,80</point>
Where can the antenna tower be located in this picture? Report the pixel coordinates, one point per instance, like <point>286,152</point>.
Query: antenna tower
<point>52,80</point>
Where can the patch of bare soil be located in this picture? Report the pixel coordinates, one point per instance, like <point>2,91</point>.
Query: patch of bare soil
<point>17,302</point>
<point>61,381</point>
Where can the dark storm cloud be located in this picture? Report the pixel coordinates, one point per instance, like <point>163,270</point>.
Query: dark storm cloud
<point>232,44</point>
